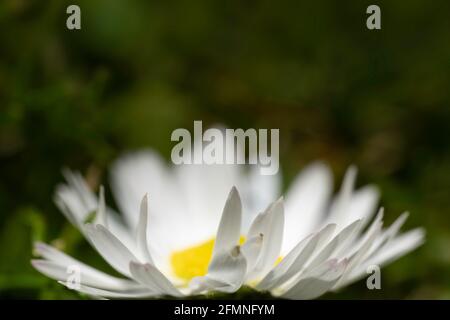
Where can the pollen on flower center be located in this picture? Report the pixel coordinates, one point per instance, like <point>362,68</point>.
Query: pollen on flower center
<point>193,261</point>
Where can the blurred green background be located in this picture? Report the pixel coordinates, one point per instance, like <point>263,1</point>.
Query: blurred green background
<point>139,69</point>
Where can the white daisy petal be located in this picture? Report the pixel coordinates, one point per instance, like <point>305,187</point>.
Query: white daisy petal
<point>342,202</point>
<point>110,248</point>
<point>142,242</point>
<point>79,184</point>
<point>199,285</point>
<point>101,217</point>
<point>151,277</point>
<point>61,204</point>
<point>385,237</point>
<point>334,245</point>
<point>121,294</point>
<point>226,273</point>
<point>362,205</point>
<point>399,246</point>
<point>135,174</point>
<point>217,181</point>
<point>270,225</point>
<point>305,202</point>
<point>257,193</point>
<point>312,287</point>
<point>53,254</point>
<point>138,173</point>
<point>392,231</point>
<point>368,238</point>
<point>77,203</point>
<point>251,250</point>
<point>62,273</point>
<point>294,261</point>
<point>324,254</point>
<point>229,231</point>
<point>61,264</point>
<point>363,247</point>
<point>307,262</point>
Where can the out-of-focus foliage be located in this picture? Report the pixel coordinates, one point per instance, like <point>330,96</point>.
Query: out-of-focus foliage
<point>139,69</point>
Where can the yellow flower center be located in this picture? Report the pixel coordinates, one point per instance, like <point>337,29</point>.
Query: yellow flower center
<point>193,261</point>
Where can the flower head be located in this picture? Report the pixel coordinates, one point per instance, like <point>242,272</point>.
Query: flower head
<point>182,235</point>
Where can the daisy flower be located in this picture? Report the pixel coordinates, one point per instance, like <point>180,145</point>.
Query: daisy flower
<point>182,232</point>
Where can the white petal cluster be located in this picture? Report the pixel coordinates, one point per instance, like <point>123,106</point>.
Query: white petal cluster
<point>299,247</point>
